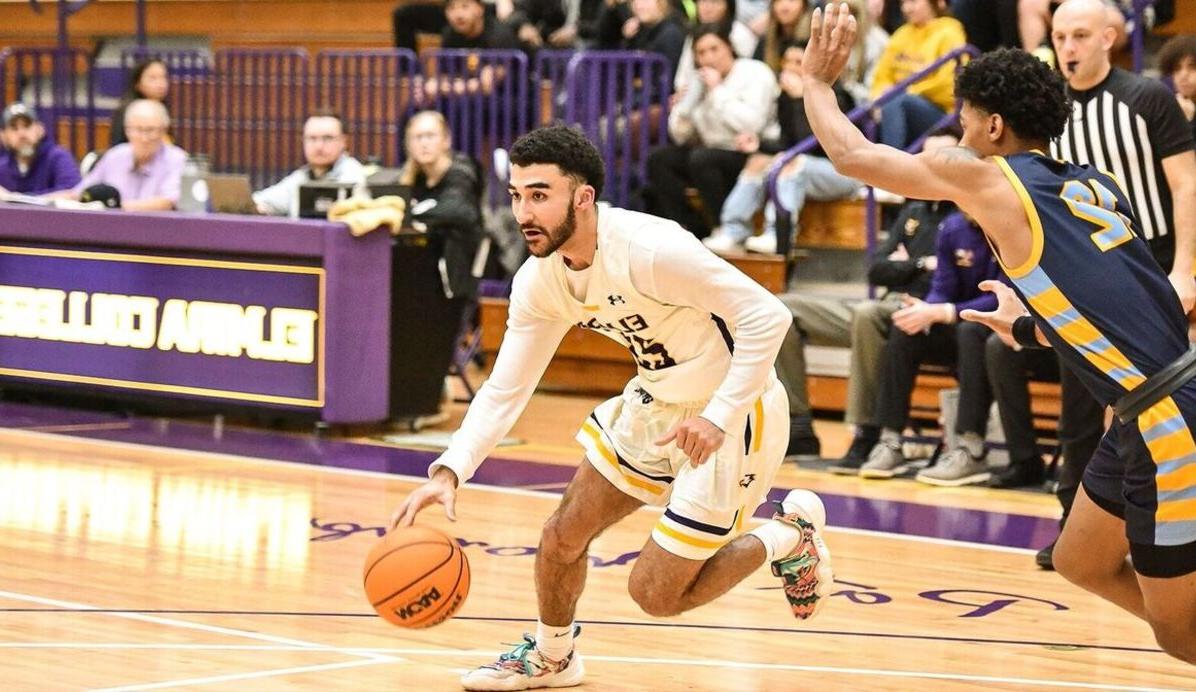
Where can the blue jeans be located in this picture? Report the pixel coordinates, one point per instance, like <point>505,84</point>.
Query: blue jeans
<point>814,177</point>
<point>906,118</point>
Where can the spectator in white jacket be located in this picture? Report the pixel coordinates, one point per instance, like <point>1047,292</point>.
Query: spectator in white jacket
<point>728,98</point>
<point>324,145</point>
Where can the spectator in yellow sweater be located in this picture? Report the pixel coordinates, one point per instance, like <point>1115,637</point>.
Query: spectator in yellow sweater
<point>927,35</point>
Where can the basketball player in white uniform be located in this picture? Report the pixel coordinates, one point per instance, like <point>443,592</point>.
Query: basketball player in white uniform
<point>700,430</point>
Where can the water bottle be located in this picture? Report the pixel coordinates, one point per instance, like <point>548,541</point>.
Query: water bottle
<point>193,187</point>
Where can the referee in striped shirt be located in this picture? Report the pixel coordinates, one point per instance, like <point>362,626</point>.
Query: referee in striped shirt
<point>1132,127</point>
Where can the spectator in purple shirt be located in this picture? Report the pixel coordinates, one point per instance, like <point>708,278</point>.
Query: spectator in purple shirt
<point>930,330</point>
<point>146,170</point>
<point>29,163</point>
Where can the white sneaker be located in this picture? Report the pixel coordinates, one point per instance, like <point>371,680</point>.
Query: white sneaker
<point>884,461</point>
<point>719,242</point>
<point>765,244</point>
<point>957,467</point>
<point>806,572</point>
<point>525,668</point>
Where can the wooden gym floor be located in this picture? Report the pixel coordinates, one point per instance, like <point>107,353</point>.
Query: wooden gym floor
<point>129,561</point>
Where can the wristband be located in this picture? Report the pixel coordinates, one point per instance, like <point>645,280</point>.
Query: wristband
<point>1024,332</point>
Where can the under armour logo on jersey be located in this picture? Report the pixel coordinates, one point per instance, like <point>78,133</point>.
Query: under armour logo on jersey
<point>748,479</point>
<point>616,300</point>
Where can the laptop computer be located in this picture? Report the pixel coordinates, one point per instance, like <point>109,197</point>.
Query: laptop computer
<point>318,196</point>
<point>230,193</point>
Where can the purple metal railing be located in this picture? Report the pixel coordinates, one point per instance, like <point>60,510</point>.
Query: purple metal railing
<point>258,101</point>
<point>245,108</point>
<point>483,96</point>
<point>861,114</point>
<point>58,83</point>
<point>548,80</point>
<point>372,92</point>
<point>620,100</point>
<point>5,96</point>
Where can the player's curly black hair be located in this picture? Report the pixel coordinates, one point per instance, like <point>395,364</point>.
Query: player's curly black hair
<point>566,147</point>
<point>1024,90</point>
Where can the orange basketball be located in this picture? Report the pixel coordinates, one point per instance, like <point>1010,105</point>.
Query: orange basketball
<point>416,577</point>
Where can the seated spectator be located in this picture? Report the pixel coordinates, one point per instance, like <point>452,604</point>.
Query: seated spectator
<point>30,164</point>
<point>147,170</point>
<point>446,197</point>
<point>1009,374</point>
<point>870,43</point>
<point>901,266</point>
<point>556,24</point>
<point>1177,60</point>
<point>721,12</point>
<point>730,99</point>
<point>445,202</point>
<point>647,25</point>
<point>469,25</point>
<point>809,175</point>
<point>930,330</point>
<point>989,24</point>
<point>413,17</point>
<point>927,35</point>
<point>326,159</point>
<point>753,14</point>
<point>788,23</point>
<point>149,80</point>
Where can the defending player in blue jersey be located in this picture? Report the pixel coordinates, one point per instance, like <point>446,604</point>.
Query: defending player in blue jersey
<point>1088,286</point>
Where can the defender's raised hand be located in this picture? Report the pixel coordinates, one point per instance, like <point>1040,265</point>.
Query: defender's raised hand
<point>832,35</point>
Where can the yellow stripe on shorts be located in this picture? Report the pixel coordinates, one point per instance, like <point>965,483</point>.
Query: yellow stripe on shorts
<point>688,540</point>
<point>607,453</point>
<point>758,433</point>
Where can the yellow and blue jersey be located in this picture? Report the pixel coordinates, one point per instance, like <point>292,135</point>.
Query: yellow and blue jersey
<point>1101,298</point>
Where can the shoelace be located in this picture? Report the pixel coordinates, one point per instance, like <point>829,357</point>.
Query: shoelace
<point>520,652</point>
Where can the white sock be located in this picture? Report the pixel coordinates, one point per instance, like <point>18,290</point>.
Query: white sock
<point>554,642</point>
<point>779,539</point>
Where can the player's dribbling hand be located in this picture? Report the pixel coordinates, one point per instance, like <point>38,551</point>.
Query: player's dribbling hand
<point>697,437</point>
<point>832,36</point>
<point>442,488</point>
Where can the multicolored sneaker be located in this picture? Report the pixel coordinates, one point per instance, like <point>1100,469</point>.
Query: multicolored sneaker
<point>806,572</point>
<point>525,668</point>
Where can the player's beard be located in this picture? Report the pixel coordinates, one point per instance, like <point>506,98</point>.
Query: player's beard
<point>556,237</point>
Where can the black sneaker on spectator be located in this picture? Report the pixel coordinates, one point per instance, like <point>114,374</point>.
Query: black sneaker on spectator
<point>803,443</point>
<point>804,448</point>
<point>1019,475</point>
<point>855,457</point>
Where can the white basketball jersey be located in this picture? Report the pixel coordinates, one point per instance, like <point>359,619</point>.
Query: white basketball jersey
<point>682,353</point>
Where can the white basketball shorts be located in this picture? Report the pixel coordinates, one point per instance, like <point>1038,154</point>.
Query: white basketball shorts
<point>705,506</point>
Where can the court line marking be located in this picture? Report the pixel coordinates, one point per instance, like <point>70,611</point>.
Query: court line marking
<point>406,653</point>
<point>510,491</point>
<point>168,622</point>
<point>705,627</point>
<point>366,658</point>
<point>80,427</point>
<point>273,672</point>
<point>174,451</point>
